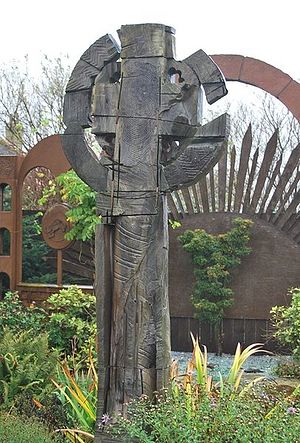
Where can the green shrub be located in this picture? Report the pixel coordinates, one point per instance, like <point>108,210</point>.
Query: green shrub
<point>50,412</point>
<point>26,366</point>
<point>214,256</point>
<point>288,369</point>
<point>240,420</point>
<point>286,321</point>
<point>197,409</point>
<point>72,321</point>
<point>17,317</point>
<point>24,430</point>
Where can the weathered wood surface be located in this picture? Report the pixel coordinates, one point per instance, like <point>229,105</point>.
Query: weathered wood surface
<point>144,112</point>
<point>200,156</point>
<point>244,159</point>
<point>264,170</point>
<point>289,169</point>
<point>231,177</point>
<point>209,75</point>
<point>222,172</point>
<point>250,181</point>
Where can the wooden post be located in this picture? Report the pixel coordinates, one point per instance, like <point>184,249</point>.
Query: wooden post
<point>148,127</point>
<point>59,267</point>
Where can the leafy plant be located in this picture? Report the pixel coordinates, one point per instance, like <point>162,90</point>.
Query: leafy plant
<point>82,200</point>
<point>195,408</point>
<point>77,391</point>
<point>15,429</point>
<point>72,322</point>
<point>288,369</point>
<point>26,365</point>
<point>17,318</point>
<point>214,256</point>
<point>286,321</point>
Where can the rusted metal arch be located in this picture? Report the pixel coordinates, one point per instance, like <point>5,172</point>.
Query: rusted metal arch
<point>262,75</point>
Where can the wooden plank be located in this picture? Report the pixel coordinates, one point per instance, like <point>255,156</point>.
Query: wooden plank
<point>100,53</point>
<point>197,187</point>
<point>270,185</point>
<point>179,203</point>
<point>243,166</point>
<point>209,75</point>
<point>174,333</point>
<point>229,343</point>
<point>196,197</point>
<point>204,194</point>
<point>239,331</point>
<point>172,206</point>
<point>157,40</point>
<point>250,181</point>
<point>188,201</point>
<point>287,173</point>
<point>231,178</point>
<point>212,190</point>
<point>289,211</point>
<point>286,198</point>
<point>200,156</point>
<point>264,170</point>
<point>222,172</point>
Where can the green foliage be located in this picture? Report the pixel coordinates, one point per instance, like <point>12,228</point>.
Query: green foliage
<point>288,369</point>
<point>214,256</point>
<point>72,321</point>
<point>82,200</point>
<point>51,412</point>
<point>69,319</point>
<point>195,409</point>
<point>240,420</point>
<point>23,430</point>
<point>26,365</point>
<point>35,268</point>
<point>17,317</point>
<point>174,224</point>
<point>77,392</point>
<point>286,321</point>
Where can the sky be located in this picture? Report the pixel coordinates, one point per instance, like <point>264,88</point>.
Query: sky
<point>263,29</point>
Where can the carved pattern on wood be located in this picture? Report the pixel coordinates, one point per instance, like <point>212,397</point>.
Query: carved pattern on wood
<point>148,127</point>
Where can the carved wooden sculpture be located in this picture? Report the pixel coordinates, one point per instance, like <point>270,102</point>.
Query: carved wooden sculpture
<point>144,112</point>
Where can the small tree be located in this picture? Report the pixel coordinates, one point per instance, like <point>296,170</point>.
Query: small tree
<point>286,320</point>
<point>214,256</point>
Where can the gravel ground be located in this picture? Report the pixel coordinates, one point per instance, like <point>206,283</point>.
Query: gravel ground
<point>263,364</point>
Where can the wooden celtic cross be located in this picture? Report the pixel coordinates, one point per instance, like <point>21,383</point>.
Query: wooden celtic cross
<point>145,113</point>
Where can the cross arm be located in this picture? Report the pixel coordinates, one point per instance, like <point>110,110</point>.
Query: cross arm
<point>200,156</point>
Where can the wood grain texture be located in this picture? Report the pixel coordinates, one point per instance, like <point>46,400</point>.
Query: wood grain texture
<point>143,120</point>
<point>264,170</point>
<point>222,175</point>
<point>289,169</point>
<point>242,170</point>
<point>212,190</point>
<point>231,178</point>
<point>100,53</point>
<point>251,178</point>
<point>209,75</point>
<point>199,157</point>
